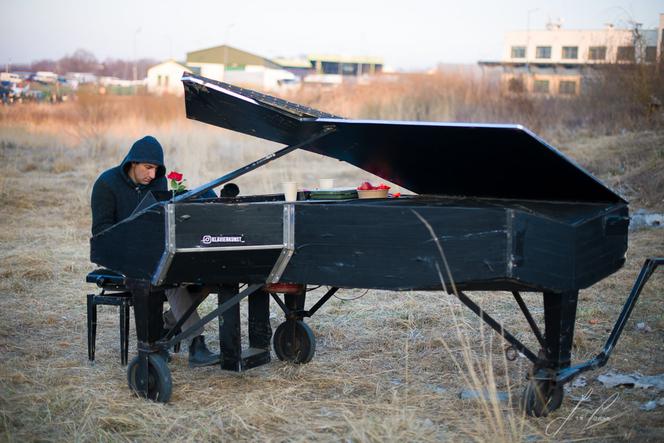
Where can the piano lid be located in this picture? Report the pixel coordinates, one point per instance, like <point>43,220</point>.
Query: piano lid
<point>464,159</point>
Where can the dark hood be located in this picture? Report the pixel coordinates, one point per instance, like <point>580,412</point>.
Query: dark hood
<point>146,150</point>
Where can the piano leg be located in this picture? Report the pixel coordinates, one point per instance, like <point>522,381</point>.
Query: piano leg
<point>230,334</point>
<point>543,394</point>
<point>148,374</point>
<point>295,302</point>
<point>260,331</point>
<point>233,357</point>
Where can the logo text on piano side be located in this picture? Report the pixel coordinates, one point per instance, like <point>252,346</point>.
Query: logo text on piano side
<point>213,240</point>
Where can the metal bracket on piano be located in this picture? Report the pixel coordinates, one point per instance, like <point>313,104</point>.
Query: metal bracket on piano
<point>289,244</point>
<point>169,247</point>
<point>601,359</point>
<point>189,332</point>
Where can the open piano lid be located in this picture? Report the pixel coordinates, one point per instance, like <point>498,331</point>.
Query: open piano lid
<point>461,159</point>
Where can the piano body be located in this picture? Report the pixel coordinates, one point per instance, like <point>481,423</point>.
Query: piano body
<point>493,208</point>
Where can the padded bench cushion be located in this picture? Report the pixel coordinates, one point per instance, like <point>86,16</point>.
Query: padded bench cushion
<point>105,278</point>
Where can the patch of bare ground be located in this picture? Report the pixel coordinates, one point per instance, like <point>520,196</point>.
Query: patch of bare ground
<point>389,366</point>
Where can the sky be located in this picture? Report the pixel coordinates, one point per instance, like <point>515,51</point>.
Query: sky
<point>406,34</point>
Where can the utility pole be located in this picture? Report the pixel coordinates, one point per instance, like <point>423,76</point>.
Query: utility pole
<point>136,61</point>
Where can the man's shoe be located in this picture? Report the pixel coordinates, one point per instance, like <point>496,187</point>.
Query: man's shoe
<point>200,355</point>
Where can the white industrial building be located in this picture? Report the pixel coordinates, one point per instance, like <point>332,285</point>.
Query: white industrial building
<point>164,78</point>
<point>228,64</point>
<point>555,60</point>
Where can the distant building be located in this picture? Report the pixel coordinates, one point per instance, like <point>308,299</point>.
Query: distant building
<point>232,65</point>
<point>164,78</point>
<point>10,77</point>
<point>332,69</point>
<point>75,79</point>
<point>228,64</point>
<point>555,61</point>
<point>45,77</point>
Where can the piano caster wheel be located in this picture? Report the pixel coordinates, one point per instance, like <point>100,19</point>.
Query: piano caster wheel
<point>160,385</point>
<point>294,341</point>
<point>541,397</point>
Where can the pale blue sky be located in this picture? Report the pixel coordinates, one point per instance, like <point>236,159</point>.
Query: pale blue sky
<point>407,34</point>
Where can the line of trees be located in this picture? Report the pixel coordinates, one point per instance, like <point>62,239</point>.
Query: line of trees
<point>83,60</point>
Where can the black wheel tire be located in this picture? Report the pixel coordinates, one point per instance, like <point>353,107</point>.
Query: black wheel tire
<point>160,384</point>
<point>294,342</point>
<point>541,397</point>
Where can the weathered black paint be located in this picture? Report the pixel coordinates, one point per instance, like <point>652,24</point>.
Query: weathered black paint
<point>488,243</point>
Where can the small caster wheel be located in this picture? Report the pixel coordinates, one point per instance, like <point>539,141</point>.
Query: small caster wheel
<point>160,384</point>
<point>541,397</point>
<point>294,341</point>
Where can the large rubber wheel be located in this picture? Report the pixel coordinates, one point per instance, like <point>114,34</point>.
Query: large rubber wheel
<point>294,341</point>
<point>541,397</point>
<point>160,384</point>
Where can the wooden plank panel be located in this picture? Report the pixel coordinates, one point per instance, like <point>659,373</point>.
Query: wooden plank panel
<point>389,247</point>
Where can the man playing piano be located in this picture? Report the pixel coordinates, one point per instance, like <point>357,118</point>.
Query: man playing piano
<point>115,195</point>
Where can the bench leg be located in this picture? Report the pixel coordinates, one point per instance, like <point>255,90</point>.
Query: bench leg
<point>92,326</point>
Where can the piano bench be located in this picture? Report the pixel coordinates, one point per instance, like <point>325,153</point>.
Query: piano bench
<point>121,299</point>
<point>108,281</point>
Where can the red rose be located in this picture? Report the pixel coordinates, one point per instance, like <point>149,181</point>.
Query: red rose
<point>173,175</point>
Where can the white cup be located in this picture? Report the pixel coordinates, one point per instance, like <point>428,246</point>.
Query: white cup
<point>325,183</point>
<point>290,191</point>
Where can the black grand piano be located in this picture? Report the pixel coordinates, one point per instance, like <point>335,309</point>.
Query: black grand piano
<point>493,207</point>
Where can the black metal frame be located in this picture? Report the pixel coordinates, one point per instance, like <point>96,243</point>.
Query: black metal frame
<point>552,363</point>
<point>293,304</point>
<point>600,360</point>
<point>149,327</point>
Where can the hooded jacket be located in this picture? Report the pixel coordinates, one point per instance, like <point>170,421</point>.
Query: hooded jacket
<point>115,195</point>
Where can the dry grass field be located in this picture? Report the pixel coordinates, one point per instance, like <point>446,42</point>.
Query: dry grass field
<point>388,366</point>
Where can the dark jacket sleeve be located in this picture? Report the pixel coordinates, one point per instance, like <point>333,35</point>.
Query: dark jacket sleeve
<point>103,207</point>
